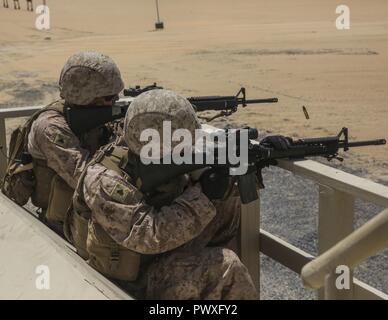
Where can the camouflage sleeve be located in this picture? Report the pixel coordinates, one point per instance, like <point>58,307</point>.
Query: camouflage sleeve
<point>52,139</point>
<point>121,210</point>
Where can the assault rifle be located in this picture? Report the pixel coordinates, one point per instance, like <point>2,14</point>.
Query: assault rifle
<point>260,155</point>
<point>82,119</point>
<point>219,103</point>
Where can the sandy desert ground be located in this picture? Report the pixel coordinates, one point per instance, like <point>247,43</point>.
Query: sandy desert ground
<point>287,49</point>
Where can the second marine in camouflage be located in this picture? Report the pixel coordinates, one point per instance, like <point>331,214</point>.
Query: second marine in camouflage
<point>59,155</point>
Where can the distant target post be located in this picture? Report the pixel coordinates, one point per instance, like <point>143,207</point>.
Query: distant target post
<point>158,24</point>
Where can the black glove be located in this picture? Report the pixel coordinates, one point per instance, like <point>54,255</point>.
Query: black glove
<point>214,184</point>
<point>279,143</point>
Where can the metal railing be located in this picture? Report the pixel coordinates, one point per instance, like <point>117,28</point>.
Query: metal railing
<point>9,113</point>
<point>350,252</point>
<point>337,191</point>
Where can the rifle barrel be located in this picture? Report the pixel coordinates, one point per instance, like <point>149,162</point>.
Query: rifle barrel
<point>364,143</point>
<point>269,100</point>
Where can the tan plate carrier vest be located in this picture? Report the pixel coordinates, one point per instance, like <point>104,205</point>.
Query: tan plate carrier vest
<point>91,240</point>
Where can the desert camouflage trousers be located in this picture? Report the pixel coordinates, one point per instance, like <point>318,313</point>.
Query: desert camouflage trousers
<point>203,268</point>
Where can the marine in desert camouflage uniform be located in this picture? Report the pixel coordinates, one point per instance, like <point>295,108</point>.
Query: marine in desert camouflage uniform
<point>59,155</point>
<point>165,245</point>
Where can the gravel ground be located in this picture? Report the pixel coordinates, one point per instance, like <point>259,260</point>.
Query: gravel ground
<point>289,210</point>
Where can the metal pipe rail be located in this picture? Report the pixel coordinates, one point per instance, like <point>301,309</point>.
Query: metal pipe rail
<point>7,114</point>
<point>351,251</point>
<point>337,191</point>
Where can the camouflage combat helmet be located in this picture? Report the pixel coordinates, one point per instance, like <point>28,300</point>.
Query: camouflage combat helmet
<point>149,110</point>
<point>87,76</point>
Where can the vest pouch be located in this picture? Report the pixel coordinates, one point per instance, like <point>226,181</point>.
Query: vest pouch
<point>19,183</point>
<point>60,199</point>
<point>108,257</point>
<point>76,231</point>
<point>43,177</point>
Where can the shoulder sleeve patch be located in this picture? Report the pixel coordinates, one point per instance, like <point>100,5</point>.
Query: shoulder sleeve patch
<point>61,140</point>
<point>120,192</point>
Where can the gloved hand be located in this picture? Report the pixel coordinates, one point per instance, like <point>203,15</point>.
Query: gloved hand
<point>166,193</point>
<point>279,143</point>
<point>214,184</point>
